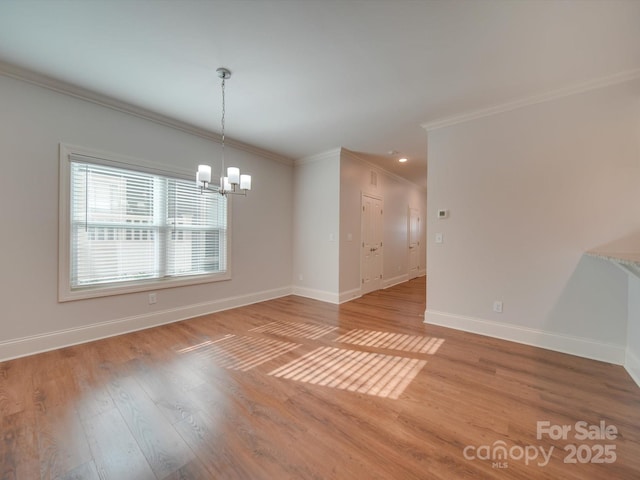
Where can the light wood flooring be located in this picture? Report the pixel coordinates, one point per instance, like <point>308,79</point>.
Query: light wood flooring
<point>299,389</point>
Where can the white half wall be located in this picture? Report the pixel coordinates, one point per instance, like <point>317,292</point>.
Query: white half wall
<point>529,191</point>
<point>316,226</point>
<point>632,360</point>
<point>33,121</point>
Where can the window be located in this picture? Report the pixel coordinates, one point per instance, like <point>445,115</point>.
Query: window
<point>129,226</point>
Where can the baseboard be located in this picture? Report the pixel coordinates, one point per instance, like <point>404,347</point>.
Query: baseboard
<point>350,295</point>
<point>632,366</point>
<point>582,347</point>
<point>31,345</point>
<point>390,282</point>
<point>321,295</point>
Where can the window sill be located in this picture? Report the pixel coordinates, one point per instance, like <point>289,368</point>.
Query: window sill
<point>65,294</point>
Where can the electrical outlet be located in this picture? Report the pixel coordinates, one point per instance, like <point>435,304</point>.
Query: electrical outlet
<point>497,306</point>
<point>439,238</point>
<point>152,298</point>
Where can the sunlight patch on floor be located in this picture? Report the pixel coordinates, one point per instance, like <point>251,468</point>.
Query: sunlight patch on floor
<point>371,373</point>
<point>241,353</point>
<point>392,341</point>
<point>305,330</point>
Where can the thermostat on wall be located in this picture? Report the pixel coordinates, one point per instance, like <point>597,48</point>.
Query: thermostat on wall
<point>443,213</point>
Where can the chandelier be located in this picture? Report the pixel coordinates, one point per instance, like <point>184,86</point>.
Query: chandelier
<point>233,183</point>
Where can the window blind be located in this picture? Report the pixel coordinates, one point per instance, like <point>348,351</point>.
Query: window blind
<point>129,225</point>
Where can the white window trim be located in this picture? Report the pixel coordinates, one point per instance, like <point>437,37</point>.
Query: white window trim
<point>65,293</point>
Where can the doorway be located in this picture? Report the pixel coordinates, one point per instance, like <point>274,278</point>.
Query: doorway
<point>414,242</point>
<point>372,248</point>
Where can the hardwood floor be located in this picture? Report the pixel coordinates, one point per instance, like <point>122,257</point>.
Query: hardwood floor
<point>296,388</point>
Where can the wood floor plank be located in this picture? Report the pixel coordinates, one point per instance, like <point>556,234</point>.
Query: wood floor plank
<point>16,385</point>
<point>163,448</point>
<point>19,447</point>
<point>62,443</point>
<point>91,382</point>
<point>86,471</point>
<point>116,453</point>
<point>216,444</point>
<point>194,470</point>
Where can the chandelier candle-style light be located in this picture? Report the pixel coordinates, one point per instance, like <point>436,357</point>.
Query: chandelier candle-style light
<point>232,183</point>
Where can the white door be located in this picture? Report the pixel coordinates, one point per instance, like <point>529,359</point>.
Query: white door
<point>414,242</point>
<point>371,256</point>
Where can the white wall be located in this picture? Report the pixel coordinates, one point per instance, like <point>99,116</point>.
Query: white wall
<point>316,226</point>
<point>398,196</point>
<point>33,121</point>
<point>529,191</point>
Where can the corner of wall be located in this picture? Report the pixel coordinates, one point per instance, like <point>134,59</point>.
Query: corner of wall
<point>632,366</point>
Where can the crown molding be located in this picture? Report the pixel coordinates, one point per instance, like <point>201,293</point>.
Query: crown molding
<point>28,76</point>
<point>535,99</point>
<point>318,157</point>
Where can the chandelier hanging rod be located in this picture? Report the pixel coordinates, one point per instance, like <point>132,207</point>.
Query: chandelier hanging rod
<point>233,183</point>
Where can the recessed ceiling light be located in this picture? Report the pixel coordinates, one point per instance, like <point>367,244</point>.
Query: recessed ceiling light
<point>402,160</point>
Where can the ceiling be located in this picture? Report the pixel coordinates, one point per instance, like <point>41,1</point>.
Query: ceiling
<point>311,75</point>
